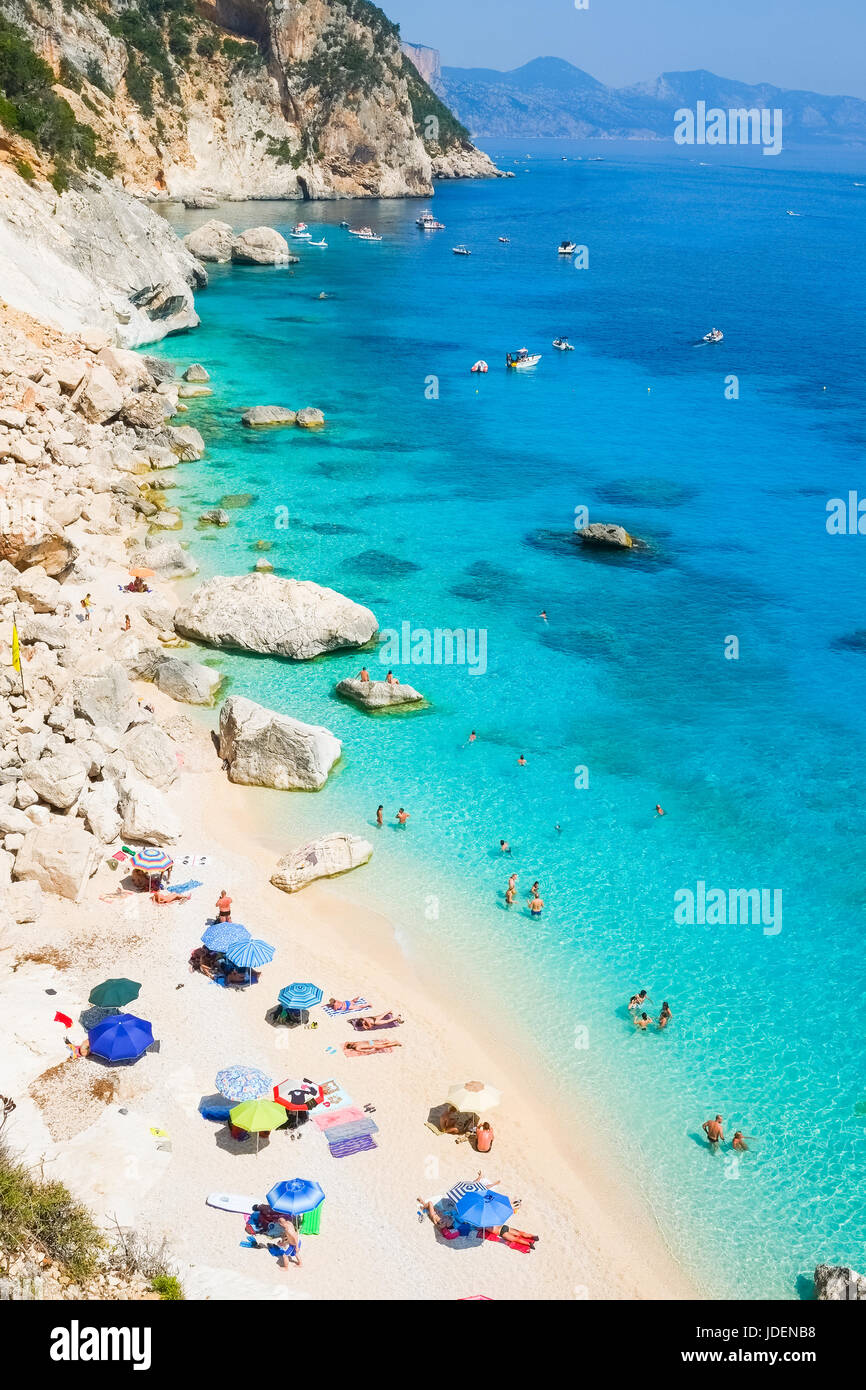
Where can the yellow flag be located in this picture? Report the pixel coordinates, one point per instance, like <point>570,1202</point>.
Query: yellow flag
<point>16,654</point>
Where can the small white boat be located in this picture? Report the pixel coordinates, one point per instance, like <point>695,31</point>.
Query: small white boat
<point>522,358</point>
<point>480,366</point>
<point>505,240</point>
<point>567,248</point>
<point>715,335</point>
<point>364,234</point>
<point>428,223</point>
<point>791,213</point>
<point>301,236</point>
<point>563,345</point>
<point>318,243</point>
<point>461,251</point>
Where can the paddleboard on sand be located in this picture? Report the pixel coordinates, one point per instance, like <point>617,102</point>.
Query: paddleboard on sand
<point>230,1201</point>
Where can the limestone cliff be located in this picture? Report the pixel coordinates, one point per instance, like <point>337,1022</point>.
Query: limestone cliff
<point>250,98</point>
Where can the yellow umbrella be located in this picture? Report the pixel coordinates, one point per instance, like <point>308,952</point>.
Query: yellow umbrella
<point>257,1117</point>
<point>473,1096</point>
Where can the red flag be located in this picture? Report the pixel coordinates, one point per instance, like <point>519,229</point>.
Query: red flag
<point>61,1018</point>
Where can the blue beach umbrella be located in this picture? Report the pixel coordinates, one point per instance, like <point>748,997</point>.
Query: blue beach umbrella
<point>249,954</point>
<point>300,996</point>
<point>484,1209</point>
<point>224,934</point>
<point>121,1038</point>
<point>295,1196</point>
<point>243,1083</point>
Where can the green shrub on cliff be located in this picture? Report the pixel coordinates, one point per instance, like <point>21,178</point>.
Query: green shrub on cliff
<point>30,107</point>
<point>33,1211</point>
<point>433,121</point>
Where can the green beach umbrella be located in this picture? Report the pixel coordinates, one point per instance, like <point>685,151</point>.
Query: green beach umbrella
<point>114,994</point>
<point>257,1117</point>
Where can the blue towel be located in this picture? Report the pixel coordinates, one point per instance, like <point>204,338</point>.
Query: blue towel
<point>214,1112</point>
<point>185,887</point>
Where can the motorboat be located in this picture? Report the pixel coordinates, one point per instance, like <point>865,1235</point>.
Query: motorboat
<point>505,240</point>
<point>522,358</point>
<point>300,232</point>
<point>480,366</point>
<point>461,251</point>
<point>364,234</point>
<point>563,345</point>
<point>428,223</point>
<point>715,335</point>
<point>318,243</point>
<point>567,248</point>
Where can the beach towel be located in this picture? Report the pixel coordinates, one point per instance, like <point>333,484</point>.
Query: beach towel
<point>185,887</point>
<point>310,1222</point>
<point>349,1051</point>
<point>343,1116</point>
<point>358,1025</point>
<point>352,1146</point>
<point>351,1130</point>
<point>512,1244</point>
<point>341,1013</point>
<point>333,1097</point>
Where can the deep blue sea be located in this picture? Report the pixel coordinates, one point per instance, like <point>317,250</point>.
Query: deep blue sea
<point>448,500</point>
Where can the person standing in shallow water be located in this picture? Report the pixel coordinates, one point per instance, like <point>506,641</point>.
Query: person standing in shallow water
<point>714,1132</point>
<point>402,817</point>
<point>379,814</point>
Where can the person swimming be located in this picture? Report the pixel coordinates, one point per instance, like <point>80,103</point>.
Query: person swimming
<point>402,817</point>
<point>643,1022</point>
<point>638,1000</point>
<point>504,847</point>
<point>521,761</point>
<point>659,811</point>
<point>739,1143</point>
<point>665,1016</point>
<point>472,737</point>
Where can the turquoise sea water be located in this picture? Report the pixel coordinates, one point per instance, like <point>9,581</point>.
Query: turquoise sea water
<point>457,511</point>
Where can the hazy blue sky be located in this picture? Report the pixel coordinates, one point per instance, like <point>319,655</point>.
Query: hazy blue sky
<point>814,44</point>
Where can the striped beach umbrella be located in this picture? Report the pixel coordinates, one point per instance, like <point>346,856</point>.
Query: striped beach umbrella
<point>484,1209</point>
<point>473,1096</point>
<point>249,954</point>
<point>295,1196</point>
<point>300,996</point>
<point>243,1083</point>
<point>152,858</point>
<point>298,1095</point>
<point>221,935</point>
<point>121,1038</point>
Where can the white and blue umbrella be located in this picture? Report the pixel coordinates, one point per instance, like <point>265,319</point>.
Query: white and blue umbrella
<point>295,1196</point>
<point>224,934</point>
<point>300,996</point>
<point>243,1083</point>
<point>484,1209</point>
<point>249,954</point>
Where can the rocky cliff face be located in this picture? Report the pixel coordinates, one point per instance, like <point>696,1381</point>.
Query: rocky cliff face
<point>250,98</point>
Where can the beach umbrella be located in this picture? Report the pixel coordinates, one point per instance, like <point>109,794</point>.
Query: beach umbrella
<point>295,1196</point>
<point>121,1038</point>
<point>243,1083</point>
<point>113,994</point>
<point>152,859</point>
<point>249,953</point>
<point>224,934</point>
<point>484,1209</point>
<point>300,996</point>
<point>142,573</point>
<point>257,1117</point>
<point>298,1095</point>
<point>473,1096</point>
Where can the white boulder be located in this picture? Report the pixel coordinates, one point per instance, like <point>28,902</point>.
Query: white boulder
<point>146,818</point>
<point>60,858</point>
<point>265,749</point>
<point>260,246</point>
<point>378,694</point>
<point>265,613</point>
<point>321,858</point>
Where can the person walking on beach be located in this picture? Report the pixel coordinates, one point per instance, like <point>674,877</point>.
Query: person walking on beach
<point>665,1016</point>
<point>638,1000</point>
<point>535,905</point>
<point>126,624</point>
<point>714,1132</point>
<point>504,847</point>
<point>402,817</point>
<point>224,907</point>
<point>379,814</point>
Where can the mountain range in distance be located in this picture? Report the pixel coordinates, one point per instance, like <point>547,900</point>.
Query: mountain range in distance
<point>552,98</point>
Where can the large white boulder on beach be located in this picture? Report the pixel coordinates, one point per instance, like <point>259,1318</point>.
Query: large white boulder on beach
<point>145,815</point>
<point>105,698</point>
<point>190,682</point>
<point>321,858</point>
<point>152,753</point>
<point>101,815</point>
<point>265,749</point>
<point>260,246</point>
<point>60,857</point>
<point>281,617</point>
<point>100,397</point>
<point>38,590</point>
<point>212,241</point>
<point>58,779</point>
<point>186,442</point>
<point>378,694</point>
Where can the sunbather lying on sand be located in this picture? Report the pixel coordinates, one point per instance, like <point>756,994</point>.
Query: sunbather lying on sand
<point>441,1220</point>
<point>205,961</point>
<point>377,1020</point>
<point>361,1049</point>
<point>345,1006</point>
<point>166,895</point>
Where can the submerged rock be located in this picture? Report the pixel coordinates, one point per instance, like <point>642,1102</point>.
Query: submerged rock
<point>283,617</point>
<point>215,516</point>
<point>196,372</point>
<point>265,749</point>
<point>378,694</point>
<point>604,533</point>
<point>262,416</point>
<point>322,858</point>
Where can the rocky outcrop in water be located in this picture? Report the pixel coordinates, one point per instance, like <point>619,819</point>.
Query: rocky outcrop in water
<point>281,617</point>
<point>606,535</point>
<point>265,749</point>
<point>839,1284</point>
<point>323,858</point>
<point>378,694</point>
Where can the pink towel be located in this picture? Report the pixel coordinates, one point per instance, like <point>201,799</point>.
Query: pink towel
<point>337,1117</point>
